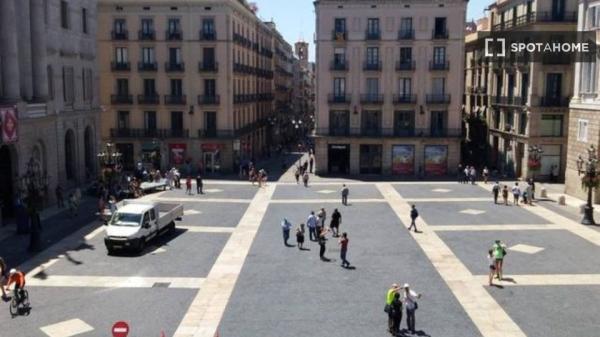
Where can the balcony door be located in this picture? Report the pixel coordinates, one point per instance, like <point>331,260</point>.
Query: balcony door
<point>122,87</point>
<point>339,87</point>
<point>371,123</point>
<point>372,56</point>
<point>438,123</point>
<point>174,56</point>
<point>553,86</point>
<point>149,87</point>
<point>176,88</point>
<point>208,57</point>
<point>210,88</point>
<point>177,123</point>
<point>339,123</point>
<point>340,25</point>
<point>150,123</point>
<point>558,10</point>
<point>404,123</point>
<point>210,123</point>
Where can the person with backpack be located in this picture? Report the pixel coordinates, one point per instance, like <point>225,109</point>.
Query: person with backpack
<point>505,195</point>
<point>499,252</point>
<point>496,191</point>
<point>389,299</point>
<point>414,214</point>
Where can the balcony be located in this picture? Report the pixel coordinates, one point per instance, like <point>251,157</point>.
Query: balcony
<point>339,66</point>
<point>147,66</point>
<point>265,97</point>
<point>389,132</point>
<point>405,99</point>
<point>554,101</point>
<point>405,65</point>
<point>407,34</point>
<point>534,17</point>
<point>437,98</point>
<point>439,34</point>
<point>208,67</point>
<point>207,36</point>
<point>372,66</point>
<point>148,133</point>
<point>373,35</point>
<point>339,35</point>
<point>148,35</point>
<point>121,99</point>
<point>175,99</point>
<point>371,99</point>
<point>120,66</point>
<point>174,67</point>
<point>339,99</point>
<point>173,35</point>
<point>439,65</point>
<point>209,99</point>
<point>508,100</point>
<point>120,35</point>
<point>149,99</point>
<point>214,133</point>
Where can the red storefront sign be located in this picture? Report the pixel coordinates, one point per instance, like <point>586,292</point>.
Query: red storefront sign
<point>177,152</point>
<point>8,115</point>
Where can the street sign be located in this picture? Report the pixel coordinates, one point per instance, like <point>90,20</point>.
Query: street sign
<point>120,329</point>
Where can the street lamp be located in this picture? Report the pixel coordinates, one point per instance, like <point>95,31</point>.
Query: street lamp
<point>589,181</point>
<point>110,156</point>
<point>535,159</point>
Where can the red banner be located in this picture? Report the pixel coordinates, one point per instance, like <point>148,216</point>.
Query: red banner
<point>8,115</point>
<point>177,152</point>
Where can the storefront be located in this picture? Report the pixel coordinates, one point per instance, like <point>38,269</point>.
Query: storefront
<point>403,160</point>
<point>370,158</point>
<point>151,155</point>
<point>436,160</point>
<point>211,157</point>
<point>339,158</point>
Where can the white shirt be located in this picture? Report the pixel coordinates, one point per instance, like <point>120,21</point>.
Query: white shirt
<point>286,224</point>
<point>311,222</point>
<point>516,190</point>
<point>409,298</point>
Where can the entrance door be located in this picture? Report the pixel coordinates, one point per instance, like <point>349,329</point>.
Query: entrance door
<point>339,159</point>
<point>370,159</point>
<point>209,161</point>
<point>6,181</point>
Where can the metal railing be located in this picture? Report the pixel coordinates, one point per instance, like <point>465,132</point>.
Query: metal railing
<point>175,99</point>
<point>388,132</point>
<point>208,67</point>
<point>339,65</point>
<point>120,66</point>
<point>372,35</point>
<point>372,66</point>
<point>146,35</point>
<point>439,34</point>
<point>147,66</point>
<point>148,99</point>
<point>209,99</point>
<point>121,35</point>
<point>339,98</point>
<point>439,65</point>
<point>437,98</point>
<point>174,35</point>
<point>371,99</point>
<point>554,101</point>
<point>406,34</point>
<point>121,99</point>
<point>405,99</point>
<point>405,65</point>
<point>172,66</point>
<point>338,35</point>
<point>207,36</point>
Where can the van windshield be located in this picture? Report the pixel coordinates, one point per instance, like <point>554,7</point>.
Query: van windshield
<point>125,219</point>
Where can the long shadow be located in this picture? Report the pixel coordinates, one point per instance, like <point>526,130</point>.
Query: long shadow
<point>159,242</point>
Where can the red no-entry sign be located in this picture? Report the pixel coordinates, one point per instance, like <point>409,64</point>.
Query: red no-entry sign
<point>120,329</point>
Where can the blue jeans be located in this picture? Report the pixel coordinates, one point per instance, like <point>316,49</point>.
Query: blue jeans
<point>286,235</point>
<point>410,319</point>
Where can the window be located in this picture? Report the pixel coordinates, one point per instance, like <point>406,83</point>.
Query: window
<point>150,120</point>
<point>438,86</point>
<point>406,26</point>
<point>176,87</point>
<point>123,120</point>
<point>372,86</point>
<point>340,25</point>
<point>588,76</point>
<point>176,120</point>
<point>339,56</point>
<point>122,87</point>
<point>339,87</point>
<point>208,26</point>
<point>582,130</point>
<point>405,87</point>
<point>64,15</point>
<point>152,214</point>
<point>147,26</point>
<point>87,84</point>
<point>373,26</point>
<point>84,21</point>
<point>553,85</point>
<point>405,55</point>
<point>119,26</point>
<point>210,123</point>
<point>438,123</point>
<point>440,27</point>
<point>121,55</point>
<point>148,55</point>
<point>68,85</point>
<point>593,17</point>
<point>173,26</point>
<point>149,87</point>
<point>439,55</point>
<point>372,55</point>
<point>208,58</point>
<point>551,126</point>
<point>339,122</point>
<point>404,123</point>
<point>174,55</point>
<point>371,123</point>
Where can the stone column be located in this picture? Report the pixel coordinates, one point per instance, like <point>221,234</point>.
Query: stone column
<point>9,52</point>
<point>24,44</point>
<point>38,50</point>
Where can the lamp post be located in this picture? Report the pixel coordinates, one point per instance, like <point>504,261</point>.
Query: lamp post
<point>110,159</point>
<point>535,159</point>
<point>589,181</point>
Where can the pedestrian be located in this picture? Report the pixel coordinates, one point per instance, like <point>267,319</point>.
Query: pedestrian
<point>112,204</point>
<point>322,243</point>
<point>414,214</point>
<point>473,175</point>
<point>320,220</point>
<point>286,226</point>
<point>73,209</point>
<point>35,230</point>
<point>532,184</point>
<point>3,278</point>
<point>345,193</point>
<point>499,252</point>
<point>300,236</point>
<point>311,162</point>
<point>336,220</point>
<point>311,223</point>
<point>459,174</point>
<point>486,174</point>
<point>188,185</point>
<point>466,174</point>
<point>199,184</point>
<point>516,192</point>
<point>492,266</point>
<point>305,179</point>
<point>297,175</point>
<point>344,250</point>
<point>554,171</point>
<point>60,200</point>
<point>396,314</point>
<point>305,167</point>
<point>389,299</point>
<point>410,303</point>
<point>505,194</point>
<point>496,191</point>
<point>101,207</point>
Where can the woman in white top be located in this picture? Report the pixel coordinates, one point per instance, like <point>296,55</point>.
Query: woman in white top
<point>409,298</point>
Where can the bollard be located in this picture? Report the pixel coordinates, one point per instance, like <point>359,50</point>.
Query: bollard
<point>561,200</point>
<point>543,193</point>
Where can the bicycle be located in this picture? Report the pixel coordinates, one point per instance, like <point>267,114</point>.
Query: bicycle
<point>19,304</point>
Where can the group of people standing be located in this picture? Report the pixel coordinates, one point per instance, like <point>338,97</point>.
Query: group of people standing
<point>303,169</point>
<point>468,174</point>
<point>317,232</point>
<point>524,194</point>
<point>397,299</point>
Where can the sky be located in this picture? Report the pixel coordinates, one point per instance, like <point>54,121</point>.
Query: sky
<point>295,19</point>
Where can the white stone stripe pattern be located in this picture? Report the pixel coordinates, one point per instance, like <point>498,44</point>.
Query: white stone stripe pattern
<point>487,315</point>
<point>207,229</point>
<point>545,280</point>
<point>442,199</point>
<point>326,201</point>
<point>201,199</point>
<point>491,227</point>
<point>67,328</point>
<point>114,281</point>
<point>204,315</point>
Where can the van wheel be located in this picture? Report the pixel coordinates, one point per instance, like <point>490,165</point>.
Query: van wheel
<point>110,251</point>
<point>142,245</point>
<point>172,226</point>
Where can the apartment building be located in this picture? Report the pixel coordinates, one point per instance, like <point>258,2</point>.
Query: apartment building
<point>185,83</point>
<point>49,106</point>
<point>584,111</point>
<point>303,96</point>
<point>527,107</point>
<point>389,86</point>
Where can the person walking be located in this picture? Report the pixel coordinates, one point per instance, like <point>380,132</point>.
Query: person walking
<point>322,243</point>
<point>286,226</point>
<point>344,250</point>
<point>300,236</point>
<point>305,178</point>
<point>532,185</point>
<point>199,184</point>
<point>492,266</point>
<point>505,194</point>
<point>499,252</point>
<point>459,175</point>
<point>297,175</point>
<point>311,162</point>
<point>311,223</point>
<point>409,298</point>
<point>414,214</point>
<point>320,220</point>
<point>496,191</point>
<point>345,193</point>
<point>516,192</point>
<point>336,220</point>
<point>389,299</point>
<point>486,174</point>
<point>396,314</point>
<point>473,175</point>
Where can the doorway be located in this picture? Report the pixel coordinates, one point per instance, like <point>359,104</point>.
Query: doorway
<point>7,162</point>
<point>339,159</point>
<point>370,158</point>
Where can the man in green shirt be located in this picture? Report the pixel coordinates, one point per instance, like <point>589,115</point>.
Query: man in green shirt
<point>388,302</point>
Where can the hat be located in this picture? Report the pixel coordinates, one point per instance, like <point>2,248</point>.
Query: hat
<point>12,271</point>
<point>395,285</point>
<point>406,285</point>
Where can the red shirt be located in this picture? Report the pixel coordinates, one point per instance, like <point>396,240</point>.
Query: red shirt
<point>17,278</point>
<point>344,243</point>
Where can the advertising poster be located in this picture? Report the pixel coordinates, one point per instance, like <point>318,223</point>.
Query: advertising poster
<point>8,118</point>
<point>177,153</point>
<point>436,160</point>
<point>403,159</point>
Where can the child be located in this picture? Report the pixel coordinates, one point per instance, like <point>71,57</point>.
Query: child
<point>300,236</point>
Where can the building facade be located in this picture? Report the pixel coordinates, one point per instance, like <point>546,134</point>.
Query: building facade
<point>526,100</point>
<point>584,111</point>
<point>303,97</point>
<point>389,86</point>
<point>186,83</point>
<point>48,97</point>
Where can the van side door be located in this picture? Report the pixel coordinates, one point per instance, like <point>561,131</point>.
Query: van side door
<point>154,220</point>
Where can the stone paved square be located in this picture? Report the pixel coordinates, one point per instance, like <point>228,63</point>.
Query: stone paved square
<point>456,190</point>
<point>285,192</point>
